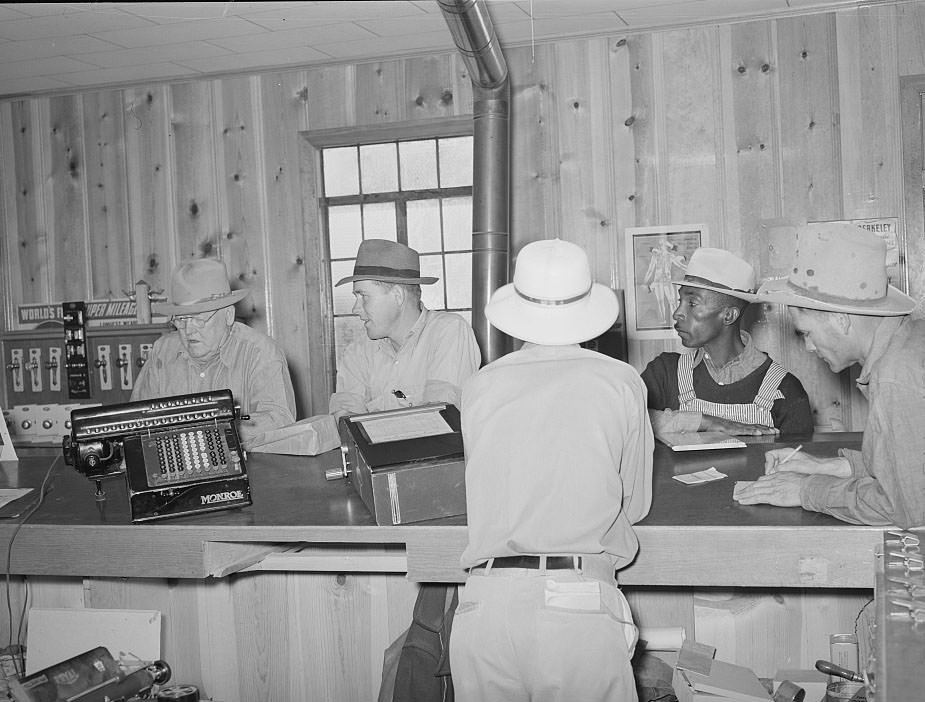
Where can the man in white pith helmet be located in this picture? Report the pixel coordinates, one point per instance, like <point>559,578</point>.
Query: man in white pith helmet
<point>558,468</point>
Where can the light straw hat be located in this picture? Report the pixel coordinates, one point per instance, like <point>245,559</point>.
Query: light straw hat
<point>720,271</point>
<point>838,267</point>
<point>553,300</point>
<point>200,285</point>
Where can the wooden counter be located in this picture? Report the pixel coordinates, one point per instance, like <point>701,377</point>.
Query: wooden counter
<point>687,538</point>
<point>296,596</point>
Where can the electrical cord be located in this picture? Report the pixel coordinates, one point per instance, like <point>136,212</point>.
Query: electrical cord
<point>18,660</point>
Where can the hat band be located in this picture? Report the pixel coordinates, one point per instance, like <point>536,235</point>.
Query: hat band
<point>835,299</point>
<point>213,296</point>
<point>707,281</point>
<point>386,272</point>
<point>553,303</point>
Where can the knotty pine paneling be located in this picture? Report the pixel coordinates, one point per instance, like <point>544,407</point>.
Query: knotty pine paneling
<point>150,185</point>
<point>586,186</point>
<point>808,87</point>
<point>291,266</point>
<point>870,148</point>
<point>379,96</point>
<point>329,97</point>
<point>534,149</point>
<point>281,636</point>
<point>622,151</point>
<point>239,196</point>
<point>731,125</point>
<point>64,160</point>
<point>810,139</point>
<point>27,268</point>
<point>107,209</point>
<point>437,86</point>
<point>913,165</point>
<point>691,95</point>
<point>9,291</point>
<point>194,163</point>
<point>909,21</point>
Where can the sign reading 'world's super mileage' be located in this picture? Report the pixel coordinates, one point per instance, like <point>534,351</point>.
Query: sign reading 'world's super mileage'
<point>99,313</point>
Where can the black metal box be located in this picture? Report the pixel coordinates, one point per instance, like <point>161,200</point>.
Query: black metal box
<point>400,476</point>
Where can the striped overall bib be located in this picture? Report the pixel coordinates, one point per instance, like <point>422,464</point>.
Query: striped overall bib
<point>758,411</point>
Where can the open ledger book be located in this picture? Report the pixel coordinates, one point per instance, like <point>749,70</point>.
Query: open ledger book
<point>699,440</point>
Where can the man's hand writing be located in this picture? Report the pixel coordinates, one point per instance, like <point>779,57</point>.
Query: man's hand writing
<point>805,463</point>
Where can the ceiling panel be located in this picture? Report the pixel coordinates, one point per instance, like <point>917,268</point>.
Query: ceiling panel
<point>58,46</point>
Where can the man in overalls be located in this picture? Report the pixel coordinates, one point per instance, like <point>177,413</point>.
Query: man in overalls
<point>726,384</point>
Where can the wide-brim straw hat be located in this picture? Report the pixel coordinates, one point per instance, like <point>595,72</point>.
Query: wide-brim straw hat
<point>553,300</point>
<point>720,271</point>
<point>838,267</point>
<point>388,262</point>
<point>200,285</point>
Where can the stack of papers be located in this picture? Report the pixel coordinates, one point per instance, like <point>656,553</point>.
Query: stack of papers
<point>699,440</point>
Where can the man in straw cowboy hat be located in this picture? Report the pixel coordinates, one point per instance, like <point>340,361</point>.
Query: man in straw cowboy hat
<point>210,351</point>
<point>726,384</point>
<point>411,354</point>
<point>840,302</point>
<point>558,468</point>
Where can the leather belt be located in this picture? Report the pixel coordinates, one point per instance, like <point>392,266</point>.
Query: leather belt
<point>552,562</point>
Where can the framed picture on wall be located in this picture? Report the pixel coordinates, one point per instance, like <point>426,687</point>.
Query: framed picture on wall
<point>655,256</point>
<point>887,228</point>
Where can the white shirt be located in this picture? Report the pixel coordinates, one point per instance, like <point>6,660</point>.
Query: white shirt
<point>439,353</point>
<point>558,455</point>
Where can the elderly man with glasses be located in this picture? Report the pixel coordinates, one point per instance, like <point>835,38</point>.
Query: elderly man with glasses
<point>210,351</point>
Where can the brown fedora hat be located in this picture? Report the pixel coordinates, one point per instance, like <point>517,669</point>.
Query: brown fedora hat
<point>389,262</point>
<point>200,285</point>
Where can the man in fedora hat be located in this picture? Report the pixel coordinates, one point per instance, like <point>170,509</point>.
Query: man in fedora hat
<point>210,351</point>
<point>726,384</point>
<point>411,355</point>
<point>558,468</point>
<point>841,303</point>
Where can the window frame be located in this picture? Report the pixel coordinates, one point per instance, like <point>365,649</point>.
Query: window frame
<point>320,303</point>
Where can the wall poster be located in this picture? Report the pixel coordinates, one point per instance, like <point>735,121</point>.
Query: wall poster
<point>655,256</point>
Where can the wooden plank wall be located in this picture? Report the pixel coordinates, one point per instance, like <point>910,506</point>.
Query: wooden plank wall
<point>731,125</point>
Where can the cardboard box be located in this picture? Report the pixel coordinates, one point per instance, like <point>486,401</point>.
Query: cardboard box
<point>699,678</point>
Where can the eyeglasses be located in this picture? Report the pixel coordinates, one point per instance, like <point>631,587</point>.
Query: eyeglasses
<point>196,320</point>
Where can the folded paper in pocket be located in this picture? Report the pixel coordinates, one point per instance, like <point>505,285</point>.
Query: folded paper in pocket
<point>307,437</point>
<point>583,596</point>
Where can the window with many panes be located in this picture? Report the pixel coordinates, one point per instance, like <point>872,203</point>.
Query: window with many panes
<point>417,192</point>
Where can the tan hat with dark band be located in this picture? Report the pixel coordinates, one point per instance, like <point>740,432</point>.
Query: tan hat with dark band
<point>200,285</point>
<point>388,262</point>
